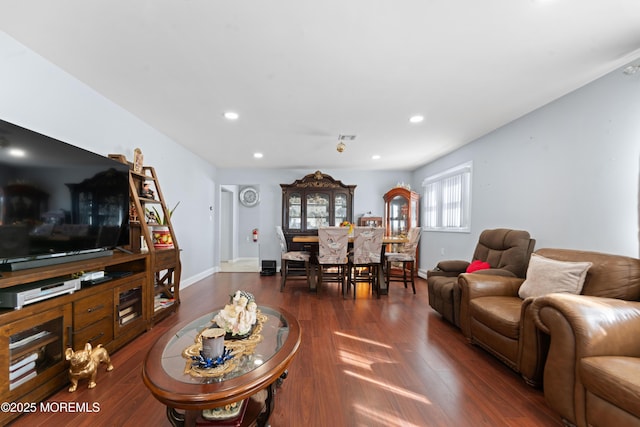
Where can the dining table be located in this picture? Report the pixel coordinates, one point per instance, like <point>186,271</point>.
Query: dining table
<point>311,243</point>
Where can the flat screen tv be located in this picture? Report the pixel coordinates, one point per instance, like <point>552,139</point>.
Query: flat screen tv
<point>58,202</point>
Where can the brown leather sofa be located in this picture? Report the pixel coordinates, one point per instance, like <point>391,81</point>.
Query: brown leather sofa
<point>592,374</point>
<point>507,252</point>
<point>493,316</point>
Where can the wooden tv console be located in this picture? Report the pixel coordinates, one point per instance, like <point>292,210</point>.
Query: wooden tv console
<point>110,313</point>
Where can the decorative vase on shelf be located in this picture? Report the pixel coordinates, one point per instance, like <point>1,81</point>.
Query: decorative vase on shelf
<point>161,236</point>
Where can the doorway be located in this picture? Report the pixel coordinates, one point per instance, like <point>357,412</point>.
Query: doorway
<point>237,252</point>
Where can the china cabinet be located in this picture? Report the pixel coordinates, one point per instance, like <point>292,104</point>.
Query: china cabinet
<point>317,200</point>
<point>401,207</point>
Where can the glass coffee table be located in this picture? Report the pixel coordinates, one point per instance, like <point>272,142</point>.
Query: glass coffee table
<point>250,382</point>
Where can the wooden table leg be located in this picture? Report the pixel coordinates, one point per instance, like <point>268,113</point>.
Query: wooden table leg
<point>313,284</point>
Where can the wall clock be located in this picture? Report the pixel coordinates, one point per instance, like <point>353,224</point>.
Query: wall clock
<point>249,196</point>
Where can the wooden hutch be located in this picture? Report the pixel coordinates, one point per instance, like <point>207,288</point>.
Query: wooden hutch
<point>317,200</point>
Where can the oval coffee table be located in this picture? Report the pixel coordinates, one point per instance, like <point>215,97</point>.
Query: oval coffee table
<point>254,377</point>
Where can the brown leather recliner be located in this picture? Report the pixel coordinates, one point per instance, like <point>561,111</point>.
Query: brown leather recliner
<point>493,316</point>
<point>507,252</point>
<point>592,374</point>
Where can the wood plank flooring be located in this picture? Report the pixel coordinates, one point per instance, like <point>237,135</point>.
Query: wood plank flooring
<point>371,362</point>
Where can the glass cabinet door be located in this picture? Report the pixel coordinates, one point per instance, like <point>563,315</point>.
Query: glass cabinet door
<point>317,200</point>
<point>414,215</point>
<point>341,209</point>
<point>402,210</point>
<point>317,209</point>
<point>295,211</point>
<point>398,215</point>
<point>35,346</point>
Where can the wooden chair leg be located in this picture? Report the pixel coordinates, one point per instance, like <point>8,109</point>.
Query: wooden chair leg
<point>354,279</point>
<point>413,283</point>
<point>307,271</point>
<point>344,283</point>
<point>388,264</point>
<point>283,274</point>
<point>404,273</point>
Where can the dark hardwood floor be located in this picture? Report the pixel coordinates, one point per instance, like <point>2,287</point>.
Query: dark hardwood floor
<point>370,362</point>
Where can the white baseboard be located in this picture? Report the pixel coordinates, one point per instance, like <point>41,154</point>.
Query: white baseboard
<point>193,279</point>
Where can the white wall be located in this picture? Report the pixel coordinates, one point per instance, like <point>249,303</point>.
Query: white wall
<point>568,173</point>
<point>41,97</point>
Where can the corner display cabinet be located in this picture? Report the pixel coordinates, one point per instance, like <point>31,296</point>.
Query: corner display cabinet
<point>151,231</point>
<point>315,201</point>
<point>401,207</point>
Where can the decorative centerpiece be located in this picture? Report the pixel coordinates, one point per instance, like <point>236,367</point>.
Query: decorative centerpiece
<point>347,224</point>
<point>235,333</point>
<point>239,316</point>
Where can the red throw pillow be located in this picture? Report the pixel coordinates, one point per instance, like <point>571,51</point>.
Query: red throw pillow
<point>478,265</point>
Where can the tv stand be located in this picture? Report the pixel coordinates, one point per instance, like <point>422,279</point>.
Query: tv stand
<point>55,260</point>
<point>111,313</point>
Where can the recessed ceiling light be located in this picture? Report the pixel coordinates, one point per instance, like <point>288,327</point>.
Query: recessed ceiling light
<point>257,155</point>
<point>376,157</point>
<point>231,115</point>
<point>16,152</point>
<point>416,119</point>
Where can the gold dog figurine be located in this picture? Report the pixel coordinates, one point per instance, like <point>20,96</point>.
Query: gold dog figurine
<point>84,364</point>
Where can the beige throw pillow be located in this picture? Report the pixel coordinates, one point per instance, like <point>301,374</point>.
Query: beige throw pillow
<point>545,276</point>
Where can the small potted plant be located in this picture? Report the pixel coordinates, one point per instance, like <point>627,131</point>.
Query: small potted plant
<point>159,228</point>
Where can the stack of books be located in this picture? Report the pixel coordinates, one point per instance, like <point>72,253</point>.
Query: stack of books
<point>160,302</point>
<point>127,314</point>
<point>25,348</point>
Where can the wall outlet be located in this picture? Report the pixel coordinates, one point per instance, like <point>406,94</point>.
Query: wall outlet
<point>441,251</point>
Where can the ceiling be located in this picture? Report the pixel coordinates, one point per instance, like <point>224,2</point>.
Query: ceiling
<point>302,72</point>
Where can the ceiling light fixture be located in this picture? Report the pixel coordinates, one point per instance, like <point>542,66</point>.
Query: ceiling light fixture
<point>631,69</point>
<point>376,157</point>
<point>230,115</point>
<point>341,139</point>
<point>257,155</point>
<point>416,119</point>
<point>16,152</point>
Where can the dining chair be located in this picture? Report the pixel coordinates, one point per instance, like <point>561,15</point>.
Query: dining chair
<point>365,260</point>
<point>332,255</point>
<point>406,255</point>
<point>291,259</point>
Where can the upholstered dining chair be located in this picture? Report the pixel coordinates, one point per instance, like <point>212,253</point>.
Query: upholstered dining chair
<point>406,255</point>
<point>332,255</point>
<point>289,258</point>
<point>365,260</point>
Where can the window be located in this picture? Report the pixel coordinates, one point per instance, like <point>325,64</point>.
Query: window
<point>447,200</point>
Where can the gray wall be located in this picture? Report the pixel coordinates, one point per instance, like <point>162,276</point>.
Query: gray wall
<point>567,173</point>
